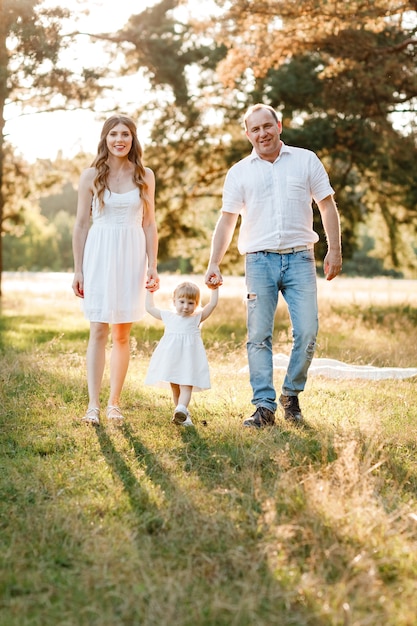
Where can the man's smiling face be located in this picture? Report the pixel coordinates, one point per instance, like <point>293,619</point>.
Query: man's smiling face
<point>263,131</point>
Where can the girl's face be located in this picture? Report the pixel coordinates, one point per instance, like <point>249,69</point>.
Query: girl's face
<point>119,140</point>
<point>184,306</point>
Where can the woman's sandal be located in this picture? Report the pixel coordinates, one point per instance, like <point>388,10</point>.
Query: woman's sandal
<point>92,416</point>
<point>114,413</point>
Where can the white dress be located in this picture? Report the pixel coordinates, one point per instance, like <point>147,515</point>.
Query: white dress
<point>180,356</point>
<point>115,262</point>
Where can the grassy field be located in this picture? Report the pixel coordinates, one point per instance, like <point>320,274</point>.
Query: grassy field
<point>148,524</point>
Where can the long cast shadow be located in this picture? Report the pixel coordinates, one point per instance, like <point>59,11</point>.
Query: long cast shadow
<point>151,464</point>
<point>148,514</point>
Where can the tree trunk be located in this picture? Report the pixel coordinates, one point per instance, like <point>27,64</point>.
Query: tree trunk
<point>3,92</point>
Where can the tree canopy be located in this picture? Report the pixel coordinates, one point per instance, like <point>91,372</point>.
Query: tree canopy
<point>32,77</point>
<point>342,74</point>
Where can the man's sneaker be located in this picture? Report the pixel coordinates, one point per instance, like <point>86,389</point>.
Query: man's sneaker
<point>291,408</point>
<point>261,418</point>
<point>181,416</point>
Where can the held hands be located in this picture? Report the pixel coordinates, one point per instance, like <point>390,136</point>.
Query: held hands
<point>152,283</point>
<point>213,278</point>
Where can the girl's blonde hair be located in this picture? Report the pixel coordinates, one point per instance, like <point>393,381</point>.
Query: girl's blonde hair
<point>135,156</point>
<point>187,290</point>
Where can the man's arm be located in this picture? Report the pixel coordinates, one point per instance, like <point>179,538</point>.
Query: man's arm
<point>222,237</point>
<point>330,218</point>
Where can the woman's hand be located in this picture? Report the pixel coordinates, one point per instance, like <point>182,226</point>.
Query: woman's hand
<point>78,284</point>
<point>152,283</point>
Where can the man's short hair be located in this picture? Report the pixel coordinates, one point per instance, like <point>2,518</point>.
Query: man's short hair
<point>258,107</point>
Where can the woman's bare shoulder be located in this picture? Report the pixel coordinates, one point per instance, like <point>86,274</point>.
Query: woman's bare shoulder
<point>89,173</point>
<point>87,177</point>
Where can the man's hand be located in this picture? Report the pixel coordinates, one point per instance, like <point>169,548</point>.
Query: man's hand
<point>213,277</point>
<point>332,264</point>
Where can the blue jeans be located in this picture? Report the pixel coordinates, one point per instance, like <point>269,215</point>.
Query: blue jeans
<point>294,275</point>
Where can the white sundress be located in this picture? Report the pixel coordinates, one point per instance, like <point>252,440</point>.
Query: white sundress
<point>114,262</point>
<point>180,356</point>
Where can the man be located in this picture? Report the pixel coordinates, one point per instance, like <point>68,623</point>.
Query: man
<point>272,189</point>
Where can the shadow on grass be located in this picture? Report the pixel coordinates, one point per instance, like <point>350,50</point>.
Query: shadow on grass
<point>224,460</point>
<point>150,462</point>
<point>147,512</point>
<point>199,549</point>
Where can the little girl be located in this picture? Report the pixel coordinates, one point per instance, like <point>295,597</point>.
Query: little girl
<point>180,359</point>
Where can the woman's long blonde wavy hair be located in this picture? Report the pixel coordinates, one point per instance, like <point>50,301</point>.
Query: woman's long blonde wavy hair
<point>135,156</point>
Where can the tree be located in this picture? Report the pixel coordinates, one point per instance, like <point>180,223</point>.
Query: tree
<point>36,248</point>
<point>40,211</point>
<point>340,72</point>
<point>184,153</point>
<point>32,76</point>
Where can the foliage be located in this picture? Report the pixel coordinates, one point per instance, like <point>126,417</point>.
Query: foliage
<point>17,190</point>
<point>332,69</point>
<point>339,72</point>
<point>187,160</point>
<point>32,77</point>
<point>213,526</point>
<point>36,248</point>
<point>44,198</point>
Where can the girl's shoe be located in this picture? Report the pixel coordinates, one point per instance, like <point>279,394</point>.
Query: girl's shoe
<point>92,416</point>
<point>188,421</point>
<point>181,416</point>
<point>114,413</point>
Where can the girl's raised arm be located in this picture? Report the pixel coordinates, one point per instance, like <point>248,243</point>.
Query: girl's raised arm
<point>209,308</point>
<point>150,305</point>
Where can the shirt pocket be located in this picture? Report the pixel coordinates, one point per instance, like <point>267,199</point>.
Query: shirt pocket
<point>296,188</point>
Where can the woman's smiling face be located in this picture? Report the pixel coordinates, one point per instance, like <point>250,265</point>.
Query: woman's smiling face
<point>119,140</point>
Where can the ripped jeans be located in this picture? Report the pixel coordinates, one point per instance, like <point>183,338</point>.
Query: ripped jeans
<point>294,275</point>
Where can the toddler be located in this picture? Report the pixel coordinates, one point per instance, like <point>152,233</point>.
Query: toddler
<point>180,359</point>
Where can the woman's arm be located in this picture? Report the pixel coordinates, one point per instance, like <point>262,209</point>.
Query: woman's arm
<point>151,233</point>
<point>81,227</point>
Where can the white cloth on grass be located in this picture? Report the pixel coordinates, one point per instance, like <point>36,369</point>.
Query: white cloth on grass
<point>331,368</point>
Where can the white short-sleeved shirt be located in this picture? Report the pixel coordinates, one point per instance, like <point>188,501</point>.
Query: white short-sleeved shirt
<point>275,199</point>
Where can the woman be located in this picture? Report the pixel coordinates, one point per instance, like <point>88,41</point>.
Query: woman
<point>116,258</point>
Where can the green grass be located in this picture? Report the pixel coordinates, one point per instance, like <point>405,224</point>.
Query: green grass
<point>151,525</point>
